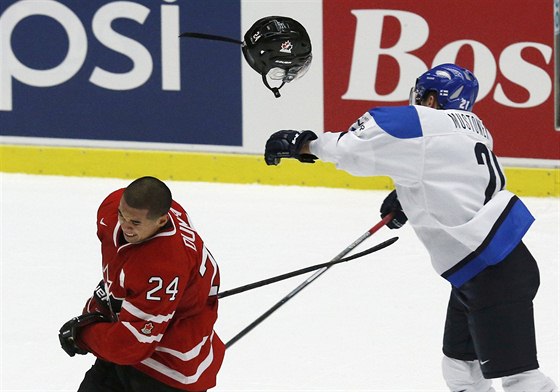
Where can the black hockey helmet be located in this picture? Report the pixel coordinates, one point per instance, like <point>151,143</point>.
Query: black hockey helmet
<point>279,48</point>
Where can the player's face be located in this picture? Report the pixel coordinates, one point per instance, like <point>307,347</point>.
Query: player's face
<point>136,225</point>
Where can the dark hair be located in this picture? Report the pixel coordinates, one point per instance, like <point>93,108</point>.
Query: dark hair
<point>149,193</point>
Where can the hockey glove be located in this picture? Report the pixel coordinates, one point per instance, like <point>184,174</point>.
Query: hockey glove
<point>69,331</point>
<point>102,303</point>
<point>288,144</point>
<point>392,204</point>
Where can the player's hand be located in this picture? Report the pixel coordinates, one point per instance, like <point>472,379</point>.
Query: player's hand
<point>99,303</point>
<point>69,331</point>
<point>392,204</point>
<point>288,144</point>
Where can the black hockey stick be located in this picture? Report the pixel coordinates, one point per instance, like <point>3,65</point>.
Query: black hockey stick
<point>288,275</point>
<point>308,281</point>
<point>211,37</point>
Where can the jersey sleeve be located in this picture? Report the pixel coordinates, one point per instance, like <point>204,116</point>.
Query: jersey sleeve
<point>107,216</point>
<point>384,141</point>
<point>152,298</point>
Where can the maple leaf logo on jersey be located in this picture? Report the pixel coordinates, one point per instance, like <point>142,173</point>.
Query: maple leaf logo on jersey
<point>286,47</point>
<point>147,328</point>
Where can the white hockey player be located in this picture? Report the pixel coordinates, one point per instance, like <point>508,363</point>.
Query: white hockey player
<point>451,187</point>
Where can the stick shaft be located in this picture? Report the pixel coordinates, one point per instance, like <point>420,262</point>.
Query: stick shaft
<point>309,280</point>
<point>278,278</point>
<point>211,37</point>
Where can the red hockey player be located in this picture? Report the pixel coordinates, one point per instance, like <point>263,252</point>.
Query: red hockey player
<point>150,320</point>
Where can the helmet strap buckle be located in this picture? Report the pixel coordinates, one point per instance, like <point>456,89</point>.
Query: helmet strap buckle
<point>275,90</point>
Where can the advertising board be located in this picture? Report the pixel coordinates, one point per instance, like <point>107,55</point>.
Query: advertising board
<point>117,71</point>
<point>113,74</point>
<point>557,62</point>
<point>377,50</point>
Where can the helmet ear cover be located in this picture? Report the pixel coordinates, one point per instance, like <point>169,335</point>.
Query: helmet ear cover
<point>279,44</point>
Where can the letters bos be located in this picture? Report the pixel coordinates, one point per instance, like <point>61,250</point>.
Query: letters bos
<point>415,33</point>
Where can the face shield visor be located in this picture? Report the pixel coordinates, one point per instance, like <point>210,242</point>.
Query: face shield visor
<point>293,73</point>
<point>415,96</point>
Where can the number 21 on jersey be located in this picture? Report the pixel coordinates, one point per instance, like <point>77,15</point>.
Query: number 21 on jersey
<point>486,157</point>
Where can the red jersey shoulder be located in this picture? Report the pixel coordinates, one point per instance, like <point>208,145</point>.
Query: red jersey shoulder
<point>190,237</point>
<point>110,202</point>
<point>107,215</point>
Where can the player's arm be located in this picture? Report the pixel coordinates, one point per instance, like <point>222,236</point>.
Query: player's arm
<point>298,145</point>
<point>143,319</point>
<point>366,149</point>
<point>67,335</point>
<point>98,308</point>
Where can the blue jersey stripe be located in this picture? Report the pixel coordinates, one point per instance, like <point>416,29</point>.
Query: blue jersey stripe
<point>399,121</point>
<point>501,241</point>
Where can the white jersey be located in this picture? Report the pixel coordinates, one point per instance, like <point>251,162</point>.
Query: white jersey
<point>448,181</point>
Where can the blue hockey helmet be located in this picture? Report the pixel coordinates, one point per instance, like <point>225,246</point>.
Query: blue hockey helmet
<point>456,87</point>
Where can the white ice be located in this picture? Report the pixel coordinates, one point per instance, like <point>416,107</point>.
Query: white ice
<point>372,324</point>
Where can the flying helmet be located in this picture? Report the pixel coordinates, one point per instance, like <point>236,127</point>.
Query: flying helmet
<point>279,48</point>
<point>456,87</point>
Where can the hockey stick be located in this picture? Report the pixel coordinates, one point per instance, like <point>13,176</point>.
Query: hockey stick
<point>211,37</point>
<point>288,275</point>
<point>308,281</point>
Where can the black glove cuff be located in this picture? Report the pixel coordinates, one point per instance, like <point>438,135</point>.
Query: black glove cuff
<point>304,137</point>
<point>391,204</point>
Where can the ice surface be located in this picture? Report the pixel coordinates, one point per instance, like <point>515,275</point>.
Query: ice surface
<point>372,324</point>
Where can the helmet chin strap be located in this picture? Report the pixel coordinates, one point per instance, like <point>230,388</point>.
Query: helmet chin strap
<point>275,90</point>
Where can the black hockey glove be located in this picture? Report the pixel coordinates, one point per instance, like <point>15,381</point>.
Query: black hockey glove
<point>69,331</point>
<point>392,204</point>
<point>101,298</point>
<point>103,303</point>
<point>288,144</point>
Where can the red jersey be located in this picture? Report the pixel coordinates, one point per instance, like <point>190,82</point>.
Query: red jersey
<point>168,286</point>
